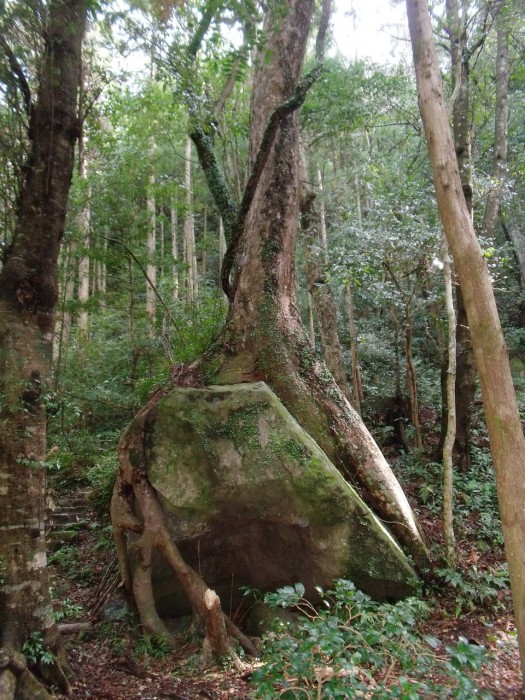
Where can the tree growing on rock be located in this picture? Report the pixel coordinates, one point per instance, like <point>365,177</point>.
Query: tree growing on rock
<point>263,338</point>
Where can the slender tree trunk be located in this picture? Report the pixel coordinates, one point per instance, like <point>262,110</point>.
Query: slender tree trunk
<point>501,120</point>
<point>222,246</point>
<point>311,322</point>
<point>448,445</point>
<point>507,442</point>
<point>174,249</point>
<point>313,223</point>
<point>151,246</point>
<point>83,223</point>
<point>204,242</point>
<point>461,120</point>
<point>66,293</point>
<point>357,385</point>
<point>189,230</point>
<point>28,296</point>
<point>100,276</point>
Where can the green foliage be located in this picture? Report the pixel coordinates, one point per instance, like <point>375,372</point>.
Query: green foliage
<point>476,587</point>
<point>65,608</point>
<point>66,559</point>
<point>101,478</point>
<point>356,646</point>
<point>476,508</point>
<point>36,651</point>
<point>157,646</point>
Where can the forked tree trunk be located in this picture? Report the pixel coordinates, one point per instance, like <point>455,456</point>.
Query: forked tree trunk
<point>507,442</point>
<point>28,295</point>
<point>263,338</point>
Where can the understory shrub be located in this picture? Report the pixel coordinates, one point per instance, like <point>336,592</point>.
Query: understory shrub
<point>355,647</point>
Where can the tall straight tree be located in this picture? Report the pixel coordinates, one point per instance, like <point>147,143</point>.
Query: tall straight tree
<point>461,123</point>
<point>507,442</point>
<point>28,295</point>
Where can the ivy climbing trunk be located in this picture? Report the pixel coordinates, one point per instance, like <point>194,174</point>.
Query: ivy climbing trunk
<point>28,295</point>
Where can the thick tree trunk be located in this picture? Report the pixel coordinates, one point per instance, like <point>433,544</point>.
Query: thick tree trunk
<point>263,338</point>
<point>28,295</point>
<point>507,442</point>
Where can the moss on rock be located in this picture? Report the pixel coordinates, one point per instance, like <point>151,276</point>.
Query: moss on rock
<point>252,500</point>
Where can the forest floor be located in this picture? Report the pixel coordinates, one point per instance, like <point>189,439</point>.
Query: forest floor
<point>107,662</point>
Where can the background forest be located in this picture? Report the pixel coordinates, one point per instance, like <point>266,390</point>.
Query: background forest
<point>140,264</point>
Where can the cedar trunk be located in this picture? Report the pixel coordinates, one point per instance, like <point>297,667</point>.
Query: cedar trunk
<point>507,442</point>
<point>28,295</point>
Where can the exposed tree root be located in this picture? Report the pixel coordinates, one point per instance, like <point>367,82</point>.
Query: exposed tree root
<point>18,681</point>
<point>133,494</point>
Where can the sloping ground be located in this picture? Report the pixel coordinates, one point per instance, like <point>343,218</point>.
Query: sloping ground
<point>107,666</point>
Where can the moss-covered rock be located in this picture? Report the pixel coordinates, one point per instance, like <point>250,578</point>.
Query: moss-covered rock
<point>252,500</point>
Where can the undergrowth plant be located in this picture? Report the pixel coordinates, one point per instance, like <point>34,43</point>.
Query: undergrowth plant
<point>36,651</point>
<point>157,646</point>
<point>476,587</point>
<point>356,647</point>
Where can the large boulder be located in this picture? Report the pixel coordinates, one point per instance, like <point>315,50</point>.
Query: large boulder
<point>251,500</point>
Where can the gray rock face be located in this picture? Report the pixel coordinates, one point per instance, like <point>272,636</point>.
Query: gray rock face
<point>252,500</point>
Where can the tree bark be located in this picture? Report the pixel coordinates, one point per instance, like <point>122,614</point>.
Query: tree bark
<point>263,338</point>
<point>83,222</point>
<point>357,385</point>
<point>151,247</point>
<point>313,224</point>
<point>28,295</point>
<point>189,230</point>
<point>461,120</point>
<point>174,220</point>
<point>501,120</point>
<point>507,442</point>
<point>450,436</point>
